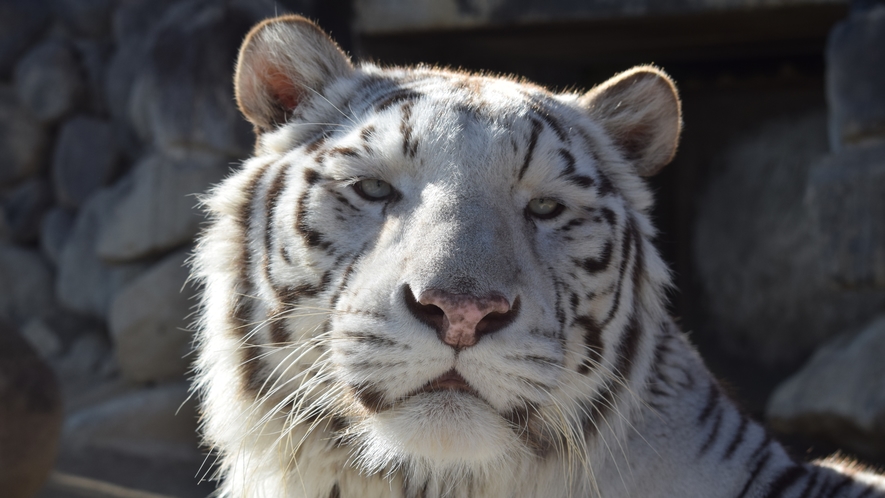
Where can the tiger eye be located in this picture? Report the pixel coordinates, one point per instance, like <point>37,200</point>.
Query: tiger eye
<point>544,207</point>
<point>373,189</point>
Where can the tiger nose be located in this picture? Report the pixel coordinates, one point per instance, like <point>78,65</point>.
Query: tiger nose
<point>461,319</point>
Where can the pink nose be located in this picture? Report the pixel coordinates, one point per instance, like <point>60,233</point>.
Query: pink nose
<point>461,319</point>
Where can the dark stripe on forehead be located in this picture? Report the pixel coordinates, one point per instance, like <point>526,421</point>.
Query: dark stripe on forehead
<point>410,144</point>
<point>399,95</point>
<point>569,160</point>
<point>533,142</point>
<point>543,112</point>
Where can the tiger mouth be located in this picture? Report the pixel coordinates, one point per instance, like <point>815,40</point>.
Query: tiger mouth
<point>449,381</point>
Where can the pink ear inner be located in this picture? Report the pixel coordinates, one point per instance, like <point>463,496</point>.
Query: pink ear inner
<point>282,89</point>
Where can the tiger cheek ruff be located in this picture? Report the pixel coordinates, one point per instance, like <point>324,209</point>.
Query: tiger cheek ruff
<point>432,283</point>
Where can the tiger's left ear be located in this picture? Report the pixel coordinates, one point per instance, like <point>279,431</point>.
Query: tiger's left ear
<point>284,61</point>
<point>641,112</point>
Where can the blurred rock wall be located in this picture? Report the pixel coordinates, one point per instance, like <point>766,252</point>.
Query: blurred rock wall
<point>113,114</point>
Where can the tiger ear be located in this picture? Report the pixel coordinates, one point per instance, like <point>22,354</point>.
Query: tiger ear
<point>641,111</point>
<point>282,61</point>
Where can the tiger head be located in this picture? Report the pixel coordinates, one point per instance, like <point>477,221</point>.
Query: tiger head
<point>434,267</point>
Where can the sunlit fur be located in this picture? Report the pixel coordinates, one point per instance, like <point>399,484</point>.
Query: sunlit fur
<point>311,368</point>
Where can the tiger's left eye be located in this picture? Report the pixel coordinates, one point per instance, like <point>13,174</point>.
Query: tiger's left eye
<point>544,208</point>
<point>373,189</point>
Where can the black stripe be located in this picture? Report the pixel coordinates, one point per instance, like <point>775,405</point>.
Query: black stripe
<point>600,264</point>
<point>608,215</point>
<point>581,180</point>
<point>569,162</point>
<point>533,142</point>
<point>845,481</point>
<point>712,398</point>
<point>592,342</point>
<point>311,237</point>
<point>784,480</point>
<point>627,348</point>
<point>754,474</point>
<point>867,492</point>
<point>626,255</point>
<point>811,483</point>
<point>639,259</point>
<point>543,112</point>
<point>277,185</point>
<point>714,431</point>
<point>243,306</point>
<point>410,145</point>
<point>387,100</point>
<point>737,439</point>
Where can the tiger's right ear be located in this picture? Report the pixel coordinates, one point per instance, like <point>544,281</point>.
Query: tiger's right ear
<point>283,61</point>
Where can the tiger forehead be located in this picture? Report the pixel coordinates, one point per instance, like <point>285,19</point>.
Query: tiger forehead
<point>486,95</point>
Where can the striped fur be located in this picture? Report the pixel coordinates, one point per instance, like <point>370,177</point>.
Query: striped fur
<point>313,372</point>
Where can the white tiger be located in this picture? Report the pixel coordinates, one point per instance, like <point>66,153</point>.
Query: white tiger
<point>431,283</point>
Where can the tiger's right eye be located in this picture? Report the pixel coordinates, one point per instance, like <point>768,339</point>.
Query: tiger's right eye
<point>544,208</point>
<point>373,189</point>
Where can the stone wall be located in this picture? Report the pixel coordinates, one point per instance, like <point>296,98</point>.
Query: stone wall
<point>113,113</point>
<point>840,393</point>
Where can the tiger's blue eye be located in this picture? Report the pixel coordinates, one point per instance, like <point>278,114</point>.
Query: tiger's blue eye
<point>373,189</point>
<point>544,208</point>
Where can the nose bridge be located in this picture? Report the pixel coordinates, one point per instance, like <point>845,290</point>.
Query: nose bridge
<point>465,247</point>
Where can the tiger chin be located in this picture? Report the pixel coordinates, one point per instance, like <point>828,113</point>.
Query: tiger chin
<point>432,283</point>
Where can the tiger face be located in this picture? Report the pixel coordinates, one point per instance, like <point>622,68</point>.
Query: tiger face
<point>435,268</point>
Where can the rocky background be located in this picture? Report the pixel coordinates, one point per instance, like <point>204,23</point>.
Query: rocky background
<point>114,113</point>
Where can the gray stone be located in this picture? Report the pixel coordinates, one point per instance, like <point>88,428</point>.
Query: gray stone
<point>148,322</point>
<point>123,66</point>
<point>183,94</point>
<point>30,417</point>
<point>159,213</point>
<point>94,56</point>
<point>758,252</point>
<point>132,23</point>
<point>4,230</point>
<point>90,18</point>
<point>69,326</point>
<point>24,207</point>
<point>839,394</point>
<point>21,22</point>
<point>846,196</point>
<point>160,423</point>
<point>856,77</point>
<point>22,140</point>
<point>49,81</point>
<point>26,281</point>
<point>85,159</point>
<point>54,231</point>
<point>85,283</point>
<point>134,19</point>
<point>86,357</point>
<point>42,338</point>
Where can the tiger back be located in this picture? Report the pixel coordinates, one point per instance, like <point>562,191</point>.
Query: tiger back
<point>435,283</point>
